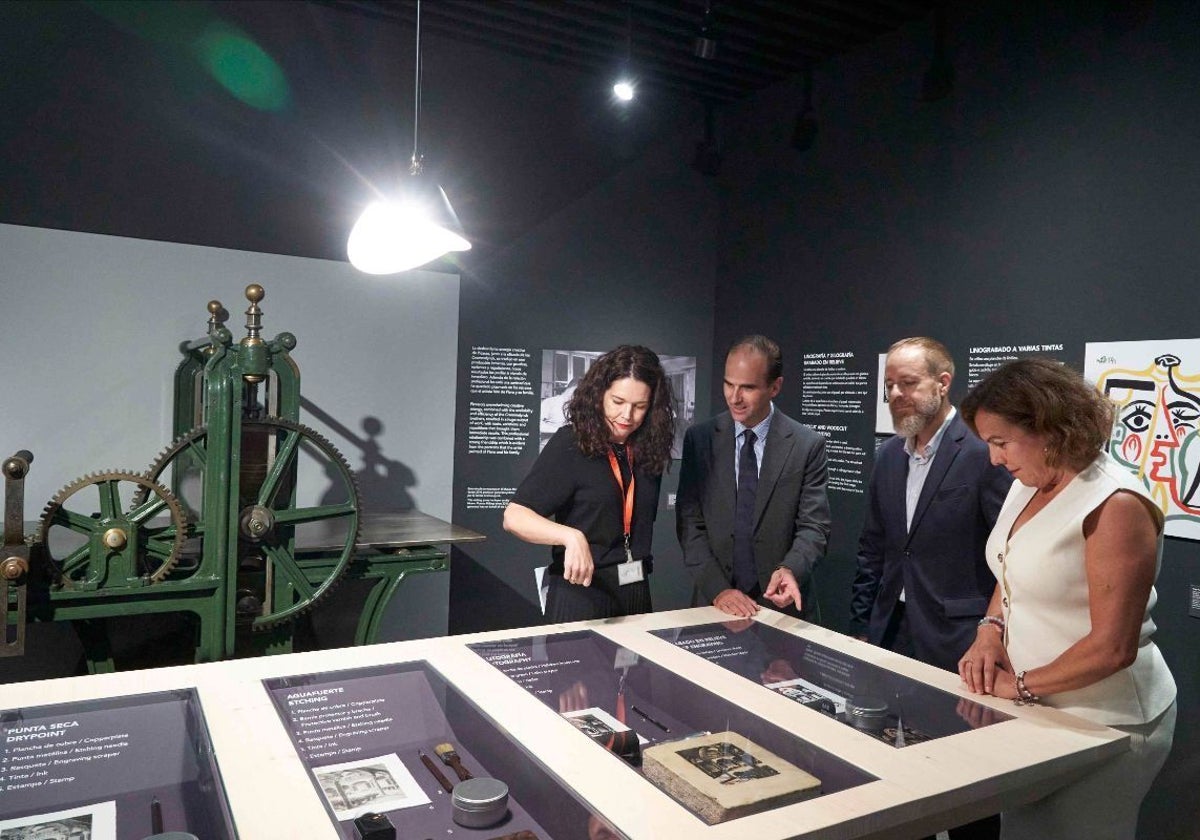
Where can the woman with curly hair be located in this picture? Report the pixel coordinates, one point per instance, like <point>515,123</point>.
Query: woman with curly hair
<point>592,494</point>
<point>1075,551</point>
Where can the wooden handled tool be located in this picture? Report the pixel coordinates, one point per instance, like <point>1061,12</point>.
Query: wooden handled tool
<point>449,756</point>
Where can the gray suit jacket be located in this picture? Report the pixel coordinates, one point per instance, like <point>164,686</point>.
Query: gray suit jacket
<point>791,511</point>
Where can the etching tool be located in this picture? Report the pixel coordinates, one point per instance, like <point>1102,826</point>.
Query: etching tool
<point>435,772</point>
<point>649,719</point>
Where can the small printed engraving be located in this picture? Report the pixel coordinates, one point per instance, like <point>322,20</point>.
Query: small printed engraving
<point>726,763</point>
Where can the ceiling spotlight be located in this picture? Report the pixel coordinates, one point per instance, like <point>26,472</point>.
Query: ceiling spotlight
<point>623,90</point>
<point>704,45</point>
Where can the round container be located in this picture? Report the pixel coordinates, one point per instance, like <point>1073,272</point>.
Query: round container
<point>866,712</point>
<point>479,802</point>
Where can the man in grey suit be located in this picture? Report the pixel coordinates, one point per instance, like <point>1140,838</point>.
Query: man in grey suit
<point>922,582</point>
<point>751,512</point>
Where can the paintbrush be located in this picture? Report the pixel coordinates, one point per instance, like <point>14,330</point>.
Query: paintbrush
<point>447,754</point>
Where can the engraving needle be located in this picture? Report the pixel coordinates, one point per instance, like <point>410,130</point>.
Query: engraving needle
<point>437,774</point>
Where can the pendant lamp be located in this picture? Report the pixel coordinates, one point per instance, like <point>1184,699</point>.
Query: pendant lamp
<point>416,226</point>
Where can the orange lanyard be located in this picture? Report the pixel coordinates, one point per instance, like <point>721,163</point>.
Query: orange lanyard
<point>626,492</point>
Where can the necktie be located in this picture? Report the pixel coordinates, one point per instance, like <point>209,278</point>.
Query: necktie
<point>745,572</point>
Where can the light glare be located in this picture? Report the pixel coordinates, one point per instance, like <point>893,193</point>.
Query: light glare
<point>623,90</point>
<point>390,237</point>
<point>242,67</point>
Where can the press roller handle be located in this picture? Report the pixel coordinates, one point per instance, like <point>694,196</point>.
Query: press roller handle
<point>15,469</point>
<point>14,562</point>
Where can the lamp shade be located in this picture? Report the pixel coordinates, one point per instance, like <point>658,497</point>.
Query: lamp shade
<point>409,231</point>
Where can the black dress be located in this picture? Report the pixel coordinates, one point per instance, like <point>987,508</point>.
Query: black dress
<point>569,487</point>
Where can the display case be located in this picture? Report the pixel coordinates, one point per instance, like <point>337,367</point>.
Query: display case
<point>111,768</point>
<point>893,708</point>
<point>717,759</point>
<point>399,741</point>
<point>585,724</point>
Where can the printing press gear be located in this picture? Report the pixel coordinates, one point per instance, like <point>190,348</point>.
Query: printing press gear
<point>102,541</point>
<point>243,524</point>
<point>268,515</point>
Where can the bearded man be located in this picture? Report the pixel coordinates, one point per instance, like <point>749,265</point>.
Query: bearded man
<point>922,582</point>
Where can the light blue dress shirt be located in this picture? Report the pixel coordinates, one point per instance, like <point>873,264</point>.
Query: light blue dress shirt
<point>918,470</point>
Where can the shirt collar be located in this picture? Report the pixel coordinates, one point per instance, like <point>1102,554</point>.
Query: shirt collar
<point>931,448</point>
<point>760,431</point>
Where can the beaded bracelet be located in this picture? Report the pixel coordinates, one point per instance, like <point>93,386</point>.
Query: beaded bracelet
<point>995,620</point>
<point>1025,697</point>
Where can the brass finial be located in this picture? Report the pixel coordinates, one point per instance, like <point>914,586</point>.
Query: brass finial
<point>254,293</point>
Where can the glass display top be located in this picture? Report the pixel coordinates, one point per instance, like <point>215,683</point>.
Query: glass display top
<point>716,759</point>
<point>401,742</point>
<point>890,707</point>
<point>115,767</point>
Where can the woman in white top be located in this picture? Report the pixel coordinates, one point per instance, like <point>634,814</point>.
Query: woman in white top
<point>1075,551</point>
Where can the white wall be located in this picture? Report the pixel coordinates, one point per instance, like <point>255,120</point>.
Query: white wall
<point>89,331</point>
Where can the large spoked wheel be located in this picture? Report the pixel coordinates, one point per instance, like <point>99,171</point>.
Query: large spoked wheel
<point>181,467</point>
<point>295,540</point>
<point>297,514</point>
<point>111,528</point>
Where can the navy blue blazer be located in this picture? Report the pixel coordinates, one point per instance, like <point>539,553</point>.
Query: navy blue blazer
<point>940,562</point>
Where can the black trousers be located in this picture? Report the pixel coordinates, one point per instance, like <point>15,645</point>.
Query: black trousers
<point>605,598</point>
<point>896,636</point>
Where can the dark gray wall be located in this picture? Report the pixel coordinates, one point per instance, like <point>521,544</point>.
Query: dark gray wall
<point>631,263</point>
<point>1054,196</point>
<point>112,124</point>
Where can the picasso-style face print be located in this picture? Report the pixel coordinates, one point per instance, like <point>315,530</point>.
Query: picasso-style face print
<point>1156,433</point>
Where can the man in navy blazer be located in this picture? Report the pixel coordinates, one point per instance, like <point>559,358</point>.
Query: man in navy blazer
<point>923,582</point>
<point>789,523</point>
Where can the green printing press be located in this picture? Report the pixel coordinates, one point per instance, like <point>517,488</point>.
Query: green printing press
<point>219,526</point>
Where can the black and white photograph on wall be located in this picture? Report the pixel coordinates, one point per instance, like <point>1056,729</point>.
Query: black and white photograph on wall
<point>374,784</point>
<point>90,822</point>
<point>562,370</point>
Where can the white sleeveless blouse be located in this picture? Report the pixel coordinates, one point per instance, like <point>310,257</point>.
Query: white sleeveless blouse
<point>1043,581</point>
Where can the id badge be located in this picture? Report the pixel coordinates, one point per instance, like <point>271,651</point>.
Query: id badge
<point>630,572</point>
